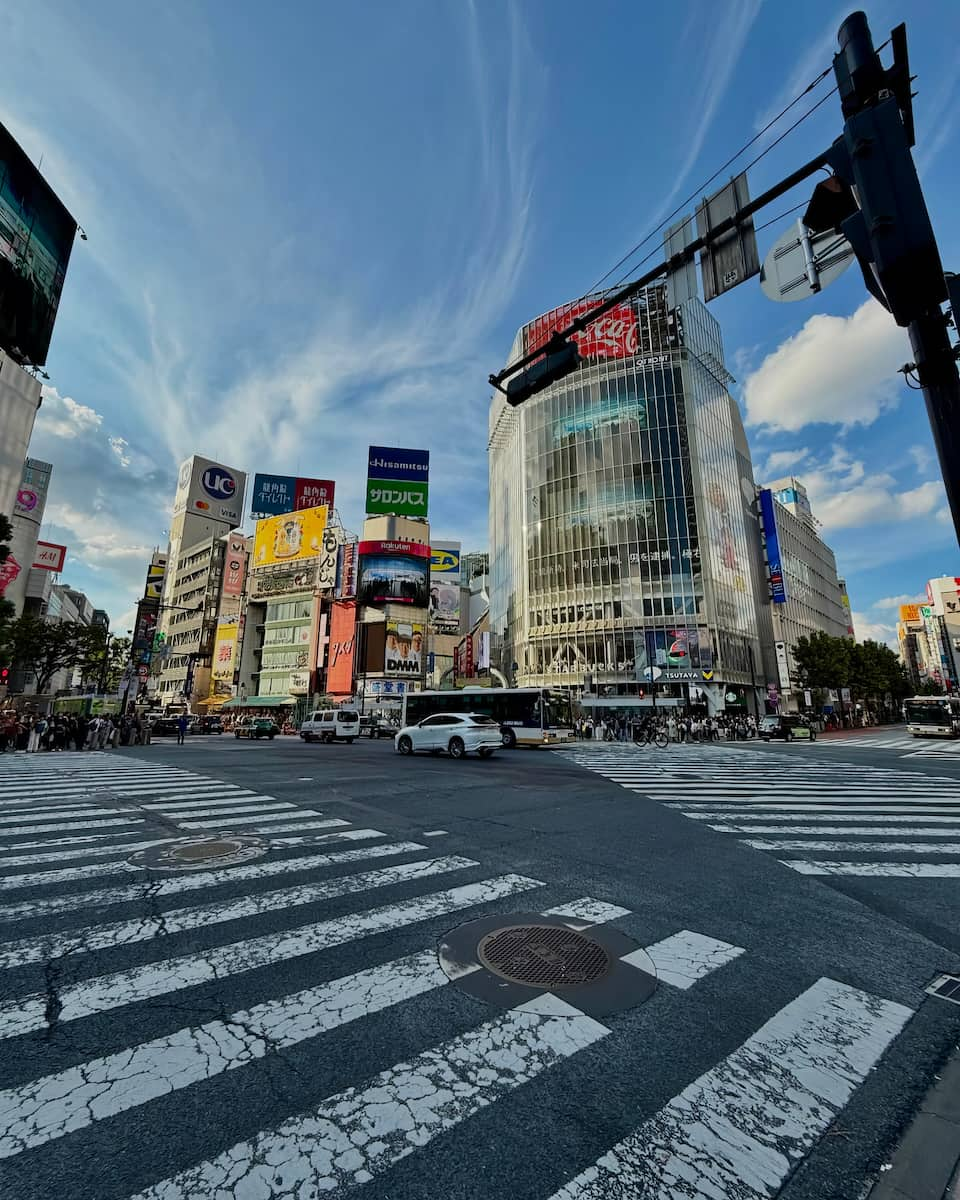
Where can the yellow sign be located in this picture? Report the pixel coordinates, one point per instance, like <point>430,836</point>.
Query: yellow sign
<point>225,651</point>
<point>290,537</point>
<point>909,612</point>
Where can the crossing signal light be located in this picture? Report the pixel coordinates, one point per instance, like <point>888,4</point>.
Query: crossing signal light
<point>4,675</point>
<point>560,359</point>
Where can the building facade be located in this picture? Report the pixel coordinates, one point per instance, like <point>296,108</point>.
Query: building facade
<point>19,403</point>
<point>622,516</point>
<point>189,623</point>
<point>26,518</point>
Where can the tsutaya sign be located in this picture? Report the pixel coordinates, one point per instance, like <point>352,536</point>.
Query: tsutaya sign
<point>683,676</point>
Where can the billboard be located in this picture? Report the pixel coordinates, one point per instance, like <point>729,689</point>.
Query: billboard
<point>397,481</point>
<point>49,557</point>
<point>404,650</point>
<point>329,556</point>
<point>36,237</point>
<point>276,494</point>
<point>778,586</point>
<point>845,605</point>
<point>146,624</point>
<point>394,573</point>
<point>292,537</point>
<point>153,587</point>
<point>225,651</point>
<point>445,587</point>
<point>209,489</point>
<point>343,631</point>
<point>909,612</point>
<point>234,566</point>
<point>614,335</point>
<point>347,570</point>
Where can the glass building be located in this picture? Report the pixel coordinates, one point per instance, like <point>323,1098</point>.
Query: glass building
<point>622,514</point>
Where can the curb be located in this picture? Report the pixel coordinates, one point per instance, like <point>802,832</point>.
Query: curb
<point>926,1164</point>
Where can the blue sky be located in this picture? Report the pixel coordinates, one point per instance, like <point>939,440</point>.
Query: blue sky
<point>321,228</point>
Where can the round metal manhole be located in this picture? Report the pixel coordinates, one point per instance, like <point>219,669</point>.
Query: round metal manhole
<point>194,854</point>
<point>546,957</point>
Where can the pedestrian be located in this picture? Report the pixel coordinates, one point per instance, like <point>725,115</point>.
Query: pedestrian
<point>80,733</point>
<point>181,728</point>
<point>93,733</point>
<point>103,732</point>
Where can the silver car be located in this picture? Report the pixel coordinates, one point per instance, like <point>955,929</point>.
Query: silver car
<point>456,733</point>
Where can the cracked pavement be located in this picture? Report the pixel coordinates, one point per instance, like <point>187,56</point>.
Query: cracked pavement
<point>289,1032</point>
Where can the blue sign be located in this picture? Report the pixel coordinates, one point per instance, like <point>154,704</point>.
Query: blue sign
<point>390,462</point>
<point>273,494</point>
<point>218,483</point>
<point>768,516</point>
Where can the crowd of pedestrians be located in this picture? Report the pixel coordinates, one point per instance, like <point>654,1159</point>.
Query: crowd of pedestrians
<point>33,733</point>
<point>679,728</point>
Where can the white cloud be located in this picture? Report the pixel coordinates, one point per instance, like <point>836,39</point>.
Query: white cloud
<point>836,370</point>
<point>120,446</point>
<point>894,602</point>
<point>922,458</point>
<point>62,417</point>
<point>874,631</point>
<point>782,462</point>
<point>875,500</point>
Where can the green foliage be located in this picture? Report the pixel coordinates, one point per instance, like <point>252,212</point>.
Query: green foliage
<point>45,647</point>
<point>929,688</point>
<point>105,661</point>
<point>869,669</point>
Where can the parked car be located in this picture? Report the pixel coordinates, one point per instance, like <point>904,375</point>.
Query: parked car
<point>376,727</point>
<point>456,733</point>
<point>257,727</point>
<point>331,725</point>
<point>165,727</point>
<point>788,726</point>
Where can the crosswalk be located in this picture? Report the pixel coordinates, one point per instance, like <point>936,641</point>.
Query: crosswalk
<point>130,997</point>
<point>904,744</point>
<point>816,817</point>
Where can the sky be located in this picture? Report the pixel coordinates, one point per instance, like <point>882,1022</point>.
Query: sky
<point>321,229</point>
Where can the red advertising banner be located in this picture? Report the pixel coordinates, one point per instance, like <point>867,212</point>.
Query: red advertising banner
<point>614,335</point>
<point>309,493</point>
<point>413,549</point>
<point>467,657</point>
<point>49,556</point>
<point>343,630</point>
<point>9,570</point>
<point>234,567</point>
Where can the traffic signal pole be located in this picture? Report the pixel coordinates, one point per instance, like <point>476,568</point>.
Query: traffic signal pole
<point>873,157</point>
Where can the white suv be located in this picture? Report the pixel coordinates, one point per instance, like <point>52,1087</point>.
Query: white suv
<point>331,725</point>
<point>457,733</point>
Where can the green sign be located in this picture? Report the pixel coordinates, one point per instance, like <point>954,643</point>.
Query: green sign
<point>397,496</point>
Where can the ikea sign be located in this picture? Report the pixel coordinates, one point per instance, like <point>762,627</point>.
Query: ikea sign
<point>444,562</point>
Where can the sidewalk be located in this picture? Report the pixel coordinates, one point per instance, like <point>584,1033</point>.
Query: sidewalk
<point>925,1165</point>
<point>867,731</point>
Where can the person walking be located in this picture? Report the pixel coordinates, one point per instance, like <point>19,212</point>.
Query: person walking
<point>181,728</point>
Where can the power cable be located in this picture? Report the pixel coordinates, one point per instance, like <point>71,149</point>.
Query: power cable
<point>700,190</point>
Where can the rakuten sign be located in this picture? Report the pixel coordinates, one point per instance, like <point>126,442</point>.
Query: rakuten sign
<point>613,335</point>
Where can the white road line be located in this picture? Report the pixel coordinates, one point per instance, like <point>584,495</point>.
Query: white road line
<point>64,814</point>
<point>277,809</point>
<point>686,956</point>
<point>106,992</point>
<point>904,870</point>
<point>842,830</point>
<point>922,816</point>
<point>588,911</point>
<point>291,828</point>
<point>740,1129</point>
<point>201,916</point>
<point>228,823</point>
<point>861,810</point>
<point>857,847</point>
<point>24,830</point>
<point>238,797</point>
<point>175,884</point>
<point>91,839</point>
<point>30,804</point>
<point>35,1113</point>
<point>434,833</point>
<point>68,874</point>
<point>342,1143</point>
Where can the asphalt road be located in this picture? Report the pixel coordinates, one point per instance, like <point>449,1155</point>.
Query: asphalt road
<point>279,1025</point>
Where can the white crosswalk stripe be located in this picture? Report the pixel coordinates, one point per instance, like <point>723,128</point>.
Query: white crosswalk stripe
<point>358,892</point>
<point>877,821</point>
<point>906,744</point>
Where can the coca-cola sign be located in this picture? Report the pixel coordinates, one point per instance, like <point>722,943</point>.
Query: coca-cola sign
<point>615,334</point>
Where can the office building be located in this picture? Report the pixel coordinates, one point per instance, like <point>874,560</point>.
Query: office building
<point>26,518</point>
<point>19,404</point>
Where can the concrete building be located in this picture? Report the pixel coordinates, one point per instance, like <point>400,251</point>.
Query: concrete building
<point>19,403</point>
<point>26,518</point>
<point>189,621</point>
<point>622,516</point>
<point>814,597</point>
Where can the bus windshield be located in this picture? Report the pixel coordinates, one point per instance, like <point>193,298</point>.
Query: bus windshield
<point>934,711</point>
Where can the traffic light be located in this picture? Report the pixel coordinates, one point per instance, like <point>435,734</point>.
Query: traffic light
<point>4,676</point>
<point>560,359</point>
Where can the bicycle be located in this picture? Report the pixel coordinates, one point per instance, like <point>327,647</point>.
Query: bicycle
<point>656,737</point>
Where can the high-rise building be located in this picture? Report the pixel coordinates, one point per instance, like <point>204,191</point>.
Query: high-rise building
<point>26,518</point>
<point>623,516</point>
<point>208,504</point>
<point>19,403</point>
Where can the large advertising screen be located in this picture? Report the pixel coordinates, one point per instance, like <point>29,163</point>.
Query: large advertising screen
<point>404,649</point>
<point>394,573</point>
<point>225,651</point>
<point>36,237</point>
<point>445,587</point>
<point>397,481</point>
<point>290,538</point>
<point>276,494</point>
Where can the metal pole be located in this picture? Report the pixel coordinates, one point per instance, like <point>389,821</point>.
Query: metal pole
<point>937,372</point>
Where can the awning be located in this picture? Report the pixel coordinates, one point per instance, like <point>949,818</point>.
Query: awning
<point>258,702</point>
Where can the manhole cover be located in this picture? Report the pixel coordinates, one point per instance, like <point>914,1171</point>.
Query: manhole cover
<point>193,854</point>
<point>543,956</point>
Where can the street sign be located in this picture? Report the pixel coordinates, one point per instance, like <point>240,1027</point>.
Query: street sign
<point>732,257</point>
<point>801,263</point>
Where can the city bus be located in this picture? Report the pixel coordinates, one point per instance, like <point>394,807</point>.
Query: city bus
<point>932,716</point>
<point>527,716</point>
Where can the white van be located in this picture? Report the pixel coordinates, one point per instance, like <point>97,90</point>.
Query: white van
<point>331,725</point>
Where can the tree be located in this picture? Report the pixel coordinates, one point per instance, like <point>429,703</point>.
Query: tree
<point>45,647</point>
<point>823,661</point>
<point>106,661</point>
<point>869,669</point>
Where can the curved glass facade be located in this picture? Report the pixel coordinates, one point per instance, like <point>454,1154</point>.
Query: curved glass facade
<point>619,510</point>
